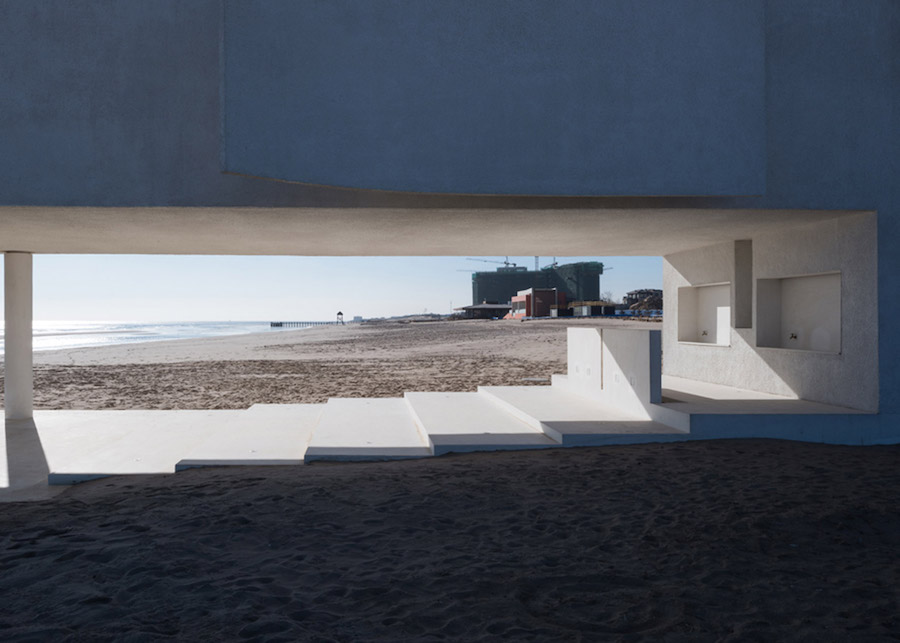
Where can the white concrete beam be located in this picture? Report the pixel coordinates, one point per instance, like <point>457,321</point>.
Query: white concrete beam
<point>18,375</point>
<point>365,232</point>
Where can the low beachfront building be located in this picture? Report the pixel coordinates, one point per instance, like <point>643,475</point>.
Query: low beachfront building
<point>535,302</point>
<point>485,310</point>
<point>592,308</point>
<point>753,146</point>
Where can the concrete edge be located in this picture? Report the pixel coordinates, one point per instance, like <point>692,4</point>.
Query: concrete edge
<point>223,462</point>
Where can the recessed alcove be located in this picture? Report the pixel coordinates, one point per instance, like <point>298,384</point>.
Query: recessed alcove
<point>704,314</point>
<point>800,313</point>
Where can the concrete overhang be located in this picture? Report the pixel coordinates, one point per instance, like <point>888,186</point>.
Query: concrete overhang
<point>385,231</point>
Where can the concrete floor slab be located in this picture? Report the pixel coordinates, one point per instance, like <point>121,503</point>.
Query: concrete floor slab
<point>705,398</point>
<point>367,429</point>
<point>23,467</point>
<point>601,432</point>
<point>458,443</point>
<point>72,446</point>
<point>537,404</point>
<point>264,434</point>
<point>82,445</point>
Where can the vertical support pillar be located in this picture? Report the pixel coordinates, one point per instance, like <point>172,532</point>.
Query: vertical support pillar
<point>19,377</point>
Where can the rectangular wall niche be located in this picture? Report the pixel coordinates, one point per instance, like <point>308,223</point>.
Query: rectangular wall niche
<point>802,313</point>
<point>704,314</point>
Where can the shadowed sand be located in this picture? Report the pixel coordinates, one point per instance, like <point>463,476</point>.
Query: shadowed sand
<point>730,540</point>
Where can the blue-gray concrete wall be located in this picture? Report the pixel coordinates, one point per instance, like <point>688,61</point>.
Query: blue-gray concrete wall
<point>108,102</point>
<point>117,102</point>
<point>567,97</point>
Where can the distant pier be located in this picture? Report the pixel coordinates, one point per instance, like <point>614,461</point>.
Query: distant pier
<point>303,324</point>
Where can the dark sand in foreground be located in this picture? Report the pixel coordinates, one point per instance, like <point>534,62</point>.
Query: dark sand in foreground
<point>729,540</point>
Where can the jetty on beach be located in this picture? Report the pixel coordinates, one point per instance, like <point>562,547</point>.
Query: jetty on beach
<point>303,324</point>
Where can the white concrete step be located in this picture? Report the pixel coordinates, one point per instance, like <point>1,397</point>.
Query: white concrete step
<point>366,429</point>
<point>464,422</point>
<point>264,434</point>
<point>676,417</point>
<point>573,420</point>
<point>84,445</point>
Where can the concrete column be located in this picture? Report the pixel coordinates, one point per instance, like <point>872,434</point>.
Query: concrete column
<point>19,382</point>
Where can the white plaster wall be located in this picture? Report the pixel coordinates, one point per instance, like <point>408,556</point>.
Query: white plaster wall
<point>618,367</point>
<point>845,244</point>
<point>704,314</point>
<point>687,314</point>
<point>583,352</point>
<point>710,301</point>
<point>800,313</point>
<point>621,369</point>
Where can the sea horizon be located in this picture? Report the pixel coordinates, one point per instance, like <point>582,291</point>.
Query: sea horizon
<point>60,334</point>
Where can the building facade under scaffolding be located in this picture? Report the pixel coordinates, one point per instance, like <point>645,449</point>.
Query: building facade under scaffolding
<point>577,281</point>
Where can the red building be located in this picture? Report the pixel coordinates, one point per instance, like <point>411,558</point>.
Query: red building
<point>535,302</point>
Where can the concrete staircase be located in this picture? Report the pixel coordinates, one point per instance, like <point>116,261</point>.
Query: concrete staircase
<point>575,421</point>
<point>610,396</point>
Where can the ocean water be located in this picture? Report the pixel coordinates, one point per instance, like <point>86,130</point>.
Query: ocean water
<point>51,335</point>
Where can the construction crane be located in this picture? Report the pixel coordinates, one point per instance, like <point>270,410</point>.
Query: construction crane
<point>506,262</point>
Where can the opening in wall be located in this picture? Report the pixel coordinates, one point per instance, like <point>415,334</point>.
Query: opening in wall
<point>800,313</point>
<point>704,314</point>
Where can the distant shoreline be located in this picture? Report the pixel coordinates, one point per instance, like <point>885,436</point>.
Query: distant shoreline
<point>84,335</point>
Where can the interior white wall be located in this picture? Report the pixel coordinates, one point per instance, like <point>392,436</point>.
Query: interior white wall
<point>687,314</point>
<point>847,245</point>
<point>714,314</point>
<point>704,314</point>
<point>800,313</point>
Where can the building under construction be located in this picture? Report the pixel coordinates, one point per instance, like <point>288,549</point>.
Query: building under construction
<point>579,281</point>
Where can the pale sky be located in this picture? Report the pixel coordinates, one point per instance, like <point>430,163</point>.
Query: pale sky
<point>240,288</point>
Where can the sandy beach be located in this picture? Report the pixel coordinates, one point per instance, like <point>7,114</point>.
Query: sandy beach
<point>736,540</point>
<point>304,366</point>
